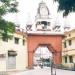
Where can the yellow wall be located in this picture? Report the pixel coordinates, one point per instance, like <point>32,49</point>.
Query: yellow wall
<point>22,55</point>
<point>69,50</point>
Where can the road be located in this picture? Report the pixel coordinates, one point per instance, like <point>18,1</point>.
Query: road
<point>46,71</point>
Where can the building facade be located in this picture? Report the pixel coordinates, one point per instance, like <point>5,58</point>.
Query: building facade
<point>43,33</point>
<point>13,53</point>
<point>68,49</point>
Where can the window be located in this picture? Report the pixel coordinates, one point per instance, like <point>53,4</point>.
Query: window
<point>71,59</point>
<point>23,42</point>
<point>65,44</point>
<point>28,27</point>
<point>16,40</point>
<point>69,35</point>
<point>70,42</point>
<point>44,22</point>
<point>48,23</point>
<point>44,27</point>
<point>5,39</point>
<point>65,59</point>
<point>38,23</point>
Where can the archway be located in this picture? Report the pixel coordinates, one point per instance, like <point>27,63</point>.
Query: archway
<point>42,57</point>
<point>52,42</point>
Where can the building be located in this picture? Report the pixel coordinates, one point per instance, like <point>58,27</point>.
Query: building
<point>68,49</point>
<point>13,53</point>
<point>43,33</point>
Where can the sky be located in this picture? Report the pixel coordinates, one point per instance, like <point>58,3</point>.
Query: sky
<point>28,8</point>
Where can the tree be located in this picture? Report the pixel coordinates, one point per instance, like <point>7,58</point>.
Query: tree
<point>6,27</point>
<point>66,5</point>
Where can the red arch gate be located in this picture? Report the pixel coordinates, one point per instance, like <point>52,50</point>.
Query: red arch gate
<point>53,43</point>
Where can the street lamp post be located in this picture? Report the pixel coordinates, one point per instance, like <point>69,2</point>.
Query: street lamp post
<point>53,67</point>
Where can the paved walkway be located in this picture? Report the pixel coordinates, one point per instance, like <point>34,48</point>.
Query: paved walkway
<point>45,71</point>
<point>11,72</point>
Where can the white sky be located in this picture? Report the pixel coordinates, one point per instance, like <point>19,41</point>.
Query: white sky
<point>29,7</point>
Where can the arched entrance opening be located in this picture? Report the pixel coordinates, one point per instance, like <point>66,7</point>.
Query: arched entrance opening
<point>42,57</point>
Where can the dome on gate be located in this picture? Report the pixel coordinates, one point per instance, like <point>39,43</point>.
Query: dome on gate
<point>43,11</point>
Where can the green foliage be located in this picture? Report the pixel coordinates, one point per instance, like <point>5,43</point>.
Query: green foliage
<point>66,5</point>
<point>8,6</point>
<point>7,28</point>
